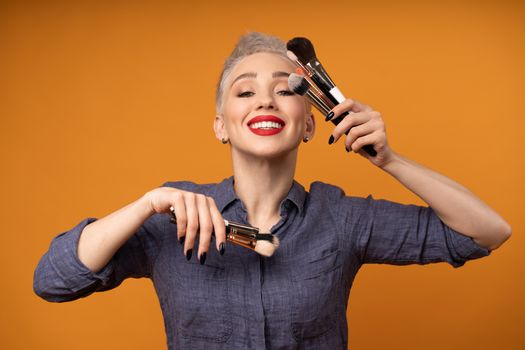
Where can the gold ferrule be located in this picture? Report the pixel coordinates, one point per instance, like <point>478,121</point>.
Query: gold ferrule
<point>242,235</point>
<point>239,234</point>
<point>241,240</point>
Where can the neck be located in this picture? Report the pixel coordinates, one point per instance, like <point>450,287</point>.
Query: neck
<point>262,184</point>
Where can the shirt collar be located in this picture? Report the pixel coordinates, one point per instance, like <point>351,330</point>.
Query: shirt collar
<point>225,194</point>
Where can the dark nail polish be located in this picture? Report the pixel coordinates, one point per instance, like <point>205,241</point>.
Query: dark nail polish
<point>329,116</point>
<point>331,139</point>
<point>221,249</point>
<point>202,259</point>
<point>182,239</point>
<point>347,149</point>
<point>173,221</point>
<point>188,254</point>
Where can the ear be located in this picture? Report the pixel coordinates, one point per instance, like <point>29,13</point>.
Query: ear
<point>219,127</point>
<point>310,125</point>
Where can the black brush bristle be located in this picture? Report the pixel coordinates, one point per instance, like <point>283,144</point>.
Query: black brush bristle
<point>264,237</point>
<point>302,48</point>
<point>298,84</point>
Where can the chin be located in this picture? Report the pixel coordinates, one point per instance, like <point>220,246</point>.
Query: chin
<point>276,152</point>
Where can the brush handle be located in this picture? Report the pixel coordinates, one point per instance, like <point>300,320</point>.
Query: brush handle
<point>236,237</point>
<point>234,228</point>
<point>336,97</point>
<point>368,148</point>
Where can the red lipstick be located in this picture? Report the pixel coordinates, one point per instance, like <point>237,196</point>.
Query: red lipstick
<point>266,125</point>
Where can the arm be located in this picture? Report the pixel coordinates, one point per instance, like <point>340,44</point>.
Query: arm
<point>99,254</point>
<point>84,259</point>
<point>456,206</point>
<point>102,238</point>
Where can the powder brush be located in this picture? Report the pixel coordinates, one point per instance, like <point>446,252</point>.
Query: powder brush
<point>302,52</point>
<point>246,236</point>
<point>302,86</point>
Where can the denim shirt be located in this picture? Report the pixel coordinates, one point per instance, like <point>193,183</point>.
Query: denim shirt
<point>295,299</point>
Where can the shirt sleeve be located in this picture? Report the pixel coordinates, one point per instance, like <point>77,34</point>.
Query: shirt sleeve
<point>61,276</point>
<point>393,233</point>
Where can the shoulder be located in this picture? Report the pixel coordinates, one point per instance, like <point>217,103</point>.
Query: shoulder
<point>329,192</point>
<point>322,189</point>
<point>333,199</point>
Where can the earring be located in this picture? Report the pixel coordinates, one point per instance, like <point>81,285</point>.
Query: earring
<point>306,139</point>
<point>224,140</point>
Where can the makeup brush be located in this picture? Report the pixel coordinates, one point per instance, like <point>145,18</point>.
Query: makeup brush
<point>313,76</point>
<point>300,85</point>
<point>315,89</point>
<point>301,50</point>
<point>305,53</point>
<point>246,236</point>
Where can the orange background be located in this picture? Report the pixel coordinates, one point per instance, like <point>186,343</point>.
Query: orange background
<point>101,101</point>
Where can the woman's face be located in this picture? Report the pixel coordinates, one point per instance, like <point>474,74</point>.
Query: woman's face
<point>260,115</point>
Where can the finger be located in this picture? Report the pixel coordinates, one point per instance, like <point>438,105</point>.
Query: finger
<point>361,107</point>
<point>357,132</point>
<point>218,224</point>
<point>348,122</point>
<point>370,139</point>
<point>345,106</point>
<point>193,223</point>
<point>379,131</point>
<point>205,227</point>
<point>348,105</point>
<point>180,215</point>
<point>373,118</point>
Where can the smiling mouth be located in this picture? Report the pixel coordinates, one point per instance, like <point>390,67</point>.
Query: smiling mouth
<point>266,125</point>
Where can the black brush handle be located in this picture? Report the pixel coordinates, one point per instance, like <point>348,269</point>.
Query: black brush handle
<point>326,90</point>
<point>368,148</point>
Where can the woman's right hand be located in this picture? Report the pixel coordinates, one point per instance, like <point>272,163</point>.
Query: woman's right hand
<point>196,214</point>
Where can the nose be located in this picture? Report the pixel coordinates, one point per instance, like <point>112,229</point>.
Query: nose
<point>265,101</point>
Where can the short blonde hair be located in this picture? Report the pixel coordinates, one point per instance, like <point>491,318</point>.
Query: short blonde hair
<point>247,45</point>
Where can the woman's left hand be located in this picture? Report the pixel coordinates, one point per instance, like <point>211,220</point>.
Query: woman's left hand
<point>366,128</point>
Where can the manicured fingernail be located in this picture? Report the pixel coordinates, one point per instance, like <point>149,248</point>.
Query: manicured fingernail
<point>347,149</point>
<point>173,220</point>
<point>331,139</point>
<point>188,254</point>
<point>221,249</point>
<point>202,259</point>
<point>329,116</point>
<point>182,239</point>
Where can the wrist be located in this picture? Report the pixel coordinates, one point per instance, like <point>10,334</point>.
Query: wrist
<point>391,163</point>
<point>145,205</point>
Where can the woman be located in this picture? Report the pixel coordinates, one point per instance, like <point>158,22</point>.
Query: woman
<point>219,296</point>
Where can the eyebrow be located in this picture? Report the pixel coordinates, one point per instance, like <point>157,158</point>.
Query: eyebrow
<point>253,75</point>
<point>280,75</point>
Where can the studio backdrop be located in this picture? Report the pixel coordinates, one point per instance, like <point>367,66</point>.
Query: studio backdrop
<point>102,101</point>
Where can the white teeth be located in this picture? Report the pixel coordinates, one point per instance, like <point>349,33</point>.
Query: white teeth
<point>266,125</point>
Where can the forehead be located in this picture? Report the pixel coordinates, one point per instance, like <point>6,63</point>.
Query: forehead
<point>262,63</point>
